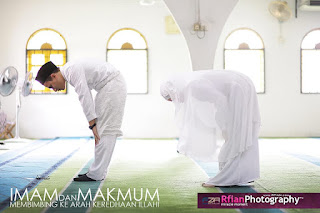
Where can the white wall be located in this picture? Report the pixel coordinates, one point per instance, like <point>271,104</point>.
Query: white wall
<point>284,111</point>
<point>86,26</point>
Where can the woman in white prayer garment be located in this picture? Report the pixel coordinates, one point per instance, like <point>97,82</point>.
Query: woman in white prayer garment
<point>218,119</point>
<point>104,114</point>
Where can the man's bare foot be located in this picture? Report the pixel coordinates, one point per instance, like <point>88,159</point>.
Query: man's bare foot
<point>208,185</point>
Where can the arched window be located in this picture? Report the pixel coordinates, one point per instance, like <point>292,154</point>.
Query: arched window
<point>310,62</point>
<point>45,45</point>
<point>127,51</point>
<point>244,52</point>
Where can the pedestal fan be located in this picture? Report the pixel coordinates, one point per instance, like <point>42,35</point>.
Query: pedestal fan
<point>8,82</point>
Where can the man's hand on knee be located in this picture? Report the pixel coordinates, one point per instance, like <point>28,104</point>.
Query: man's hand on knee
<point>93,127</point>
<point>96,135</point>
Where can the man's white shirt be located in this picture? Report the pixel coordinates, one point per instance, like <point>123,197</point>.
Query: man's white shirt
<point>85,75</point>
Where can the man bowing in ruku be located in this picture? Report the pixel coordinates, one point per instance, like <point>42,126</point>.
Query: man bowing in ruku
<point>104,114</point>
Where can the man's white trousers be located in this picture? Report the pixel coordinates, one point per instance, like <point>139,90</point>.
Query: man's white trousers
<point>102,157</point>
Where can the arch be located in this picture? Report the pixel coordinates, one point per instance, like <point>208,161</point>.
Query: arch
<point>311,39</point>
<point>116,44</point>
<point>243,35</point>
<point>46,35</point>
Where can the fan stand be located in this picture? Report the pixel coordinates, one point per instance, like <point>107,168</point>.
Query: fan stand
<point>17,138</point>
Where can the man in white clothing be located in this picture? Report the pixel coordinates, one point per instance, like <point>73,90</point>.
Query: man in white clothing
<point>213,104</point>
<point>104,114</point>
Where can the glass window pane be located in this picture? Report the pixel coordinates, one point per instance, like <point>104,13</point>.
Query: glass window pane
<point>46,36</point>
<point>133,65</point>
<point>130,36</point>
<point>310,71</point>
<point>57,59</point>
<point>244,36</point>
<point>248,62</point>
<point>34,70</point>
<point>311,39</point>
<point>37,59</point>
<point>37,86</point>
